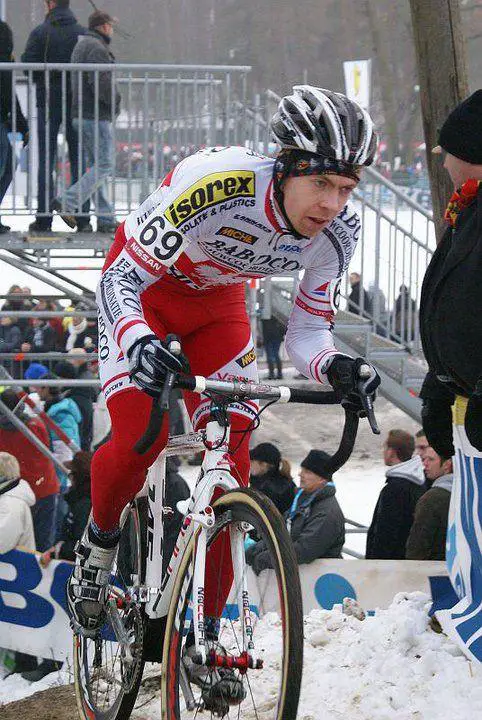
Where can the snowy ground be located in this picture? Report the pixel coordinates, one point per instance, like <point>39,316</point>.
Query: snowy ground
<point>391,666</point>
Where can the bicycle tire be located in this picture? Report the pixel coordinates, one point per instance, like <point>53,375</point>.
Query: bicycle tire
<point>92,686</point>
<point>243,505</point>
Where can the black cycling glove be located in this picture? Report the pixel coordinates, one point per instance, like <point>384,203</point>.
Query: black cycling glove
<point>344,376</point>
<point>149,361</point>
<point>473,417</point>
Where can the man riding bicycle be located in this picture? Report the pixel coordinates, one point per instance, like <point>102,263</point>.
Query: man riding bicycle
<point>178,265</point>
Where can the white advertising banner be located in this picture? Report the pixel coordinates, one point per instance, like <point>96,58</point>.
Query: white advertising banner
<point>358,81</point>
<point>33,616</point>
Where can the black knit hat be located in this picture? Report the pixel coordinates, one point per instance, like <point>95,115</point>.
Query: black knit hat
<point>461,133</point>
<point>318,462</point>
<point>266,452</point>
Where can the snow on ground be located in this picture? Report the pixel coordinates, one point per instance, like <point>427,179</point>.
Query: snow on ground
<point>391,666</point>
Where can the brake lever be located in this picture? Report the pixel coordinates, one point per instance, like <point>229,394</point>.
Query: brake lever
<point>367,403</point>
<point>174,347</point>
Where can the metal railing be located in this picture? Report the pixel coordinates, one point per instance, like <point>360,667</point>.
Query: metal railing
<point>166,112</point>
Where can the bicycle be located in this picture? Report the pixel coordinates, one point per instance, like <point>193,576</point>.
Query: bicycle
<point>108,668</point>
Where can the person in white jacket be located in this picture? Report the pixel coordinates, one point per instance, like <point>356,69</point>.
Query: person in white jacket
<point>16,499</point>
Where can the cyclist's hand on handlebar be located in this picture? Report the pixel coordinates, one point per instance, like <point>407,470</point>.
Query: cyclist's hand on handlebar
<point>149,362</point>
<point>355,379</point>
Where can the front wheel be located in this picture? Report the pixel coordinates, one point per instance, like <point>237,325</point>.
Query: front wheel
<point>270,692</point>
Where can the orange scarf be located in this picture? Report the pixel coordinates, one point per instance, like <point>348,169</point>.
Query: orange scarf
<point>461,199</point>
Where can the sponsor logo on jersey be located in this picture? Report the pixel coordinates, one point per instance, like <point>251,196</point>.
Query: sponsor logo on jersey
<point>322,291</point>
<point>247,358</point>
<point>210,190</point>
<point>247,260</point>
<point>237,234</point>
<point>289,248</point>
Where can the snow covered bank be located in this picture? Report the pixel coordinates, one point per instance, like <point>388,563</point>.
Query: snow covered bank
<point>391,666</point>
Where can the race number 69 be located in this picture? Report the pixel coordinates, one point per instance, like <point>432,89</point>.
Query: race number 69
<point>168,243</point>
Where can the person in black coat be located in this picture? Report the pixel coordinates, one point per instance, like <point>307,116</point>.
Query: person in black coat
<point>355,298</point>
<point>7,109</point>
<point>271,475</point>
<point>450,328</point>
<point>273,334</point>
<point>315,520</point>
<point>393,515</point>
<point>53,41</point>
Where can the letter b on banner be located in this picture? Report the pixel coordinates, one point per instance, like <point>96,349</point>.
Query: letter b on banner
<point>37,612</point>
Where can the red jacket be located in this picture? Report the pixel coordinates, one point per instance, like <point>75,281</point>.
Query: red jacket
<point>35,468</point>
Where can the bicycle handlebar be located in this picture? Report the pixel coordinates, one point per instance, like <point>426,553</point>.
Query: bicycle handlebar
<point>244,389</point>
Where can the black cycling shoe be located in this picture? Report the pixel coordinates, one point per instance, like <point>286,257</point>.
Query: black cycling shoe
<point>87,586</point>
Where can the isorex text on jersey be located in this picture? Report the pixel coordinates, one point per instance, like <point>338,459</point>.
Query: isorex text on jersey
<point>209,191</point>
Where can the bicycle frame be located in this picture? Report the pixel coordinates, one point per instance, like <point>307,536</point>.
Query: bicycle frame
<point>215,472</point>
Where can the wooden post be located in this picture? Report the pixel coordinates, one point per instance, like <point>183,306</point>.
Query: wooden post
<point>443,79</point>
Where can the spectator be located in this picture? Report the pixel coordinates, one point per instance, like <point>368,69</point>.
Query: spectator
<point>79,334</point>
<point>7,156</point>
<point>84,397</point>
<point>79,504</point>
<point>16,499</point>
<point>405,312</point>
<point>40,338</point>
<point>16,300</point>
<point>315,520</point>
<point>378,308</point>
<point>94,125</point>
<point>35,468</point>
<point>271,475</point>
<point>16,529</point>
<point>273,334</point>
<point>427,537</point>
<point>359,299</point>
<point>10,341</point>
<point>66,414</point>
<point>393,516</point>
<point>421,443</point>
<point>53,41</point>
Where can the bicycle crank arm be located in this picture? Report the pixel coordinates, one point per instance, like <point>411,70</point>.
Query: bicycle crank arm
<point>119,630</point>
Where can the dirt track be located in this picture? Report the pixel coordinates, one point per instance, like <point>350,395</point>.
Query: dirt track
<point>57,703</point>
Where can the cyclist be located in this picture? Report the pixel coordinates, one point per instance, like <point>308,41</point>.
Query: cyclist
<point>178,264</point>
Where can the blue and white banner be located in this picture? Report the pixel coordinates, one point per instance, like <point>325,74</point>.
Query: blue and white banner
<point>463,622</point>
<point>33,617</point>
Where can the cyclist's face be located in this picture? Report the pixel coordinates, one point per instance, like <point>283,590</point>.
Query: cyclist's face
<point>312,201</point>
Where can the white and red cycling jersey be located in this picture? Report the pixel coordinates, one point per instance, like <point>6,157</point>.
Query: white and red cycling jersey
<point>212,223</point>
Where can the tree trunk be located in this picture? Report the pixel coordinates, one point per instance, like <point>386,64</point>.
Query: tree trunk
<point>442,66</point>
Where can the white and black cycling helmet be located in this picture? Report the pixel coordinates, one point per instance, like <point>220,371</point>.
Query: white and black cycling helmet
<point>325,123</point>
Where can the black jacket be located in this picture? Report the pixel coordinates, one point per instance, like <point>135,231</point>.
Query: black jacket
<point>428,535</point>
<point>451,304</point>
<point>53,41</point>
<point>317,529</point>
<point>393,516</point>
<point>280,489</point>
<point>79,503</point>
<point>93,48</point>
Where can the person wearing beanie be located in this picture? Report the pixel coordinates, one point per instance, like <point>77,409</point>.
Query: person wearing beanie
<point>450,329</point>
<point>315,519</point>
<point>270,474</point>
<point>84,397</point>
<point>93,119</point>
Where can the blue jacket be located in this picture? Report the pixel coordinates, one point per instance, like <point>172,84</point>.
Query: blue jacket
<point>66,415</point>
<point>53,42</point>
